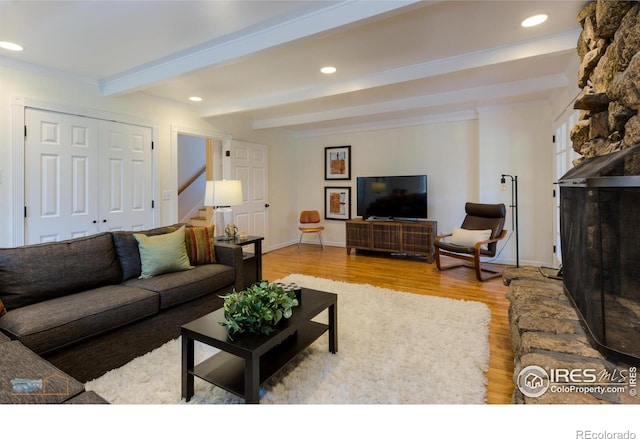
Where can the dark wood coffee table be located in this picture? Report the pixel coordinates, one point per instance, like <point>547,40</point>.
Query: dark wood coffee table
<point>249,360</point>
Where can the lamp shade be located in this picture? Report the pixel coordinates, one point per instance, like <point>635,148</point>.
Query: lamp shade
<point>226,193</point>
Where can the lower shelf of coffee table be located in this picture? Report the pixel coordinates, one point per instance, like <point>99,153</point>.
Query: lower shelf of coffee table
<point>227,371</point>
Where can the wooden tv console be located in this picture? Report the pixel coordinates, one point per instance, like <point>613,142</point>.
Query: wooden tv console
<point>410,237</point>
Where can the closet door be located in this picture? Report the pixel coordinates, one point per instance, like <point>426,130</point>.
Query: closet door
<point>85,176</point>
<point>61,188</point>
<point>125,177</point>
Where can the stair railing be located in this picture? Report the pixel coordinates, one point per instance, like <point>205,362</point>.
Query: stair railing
<point>190,181</point>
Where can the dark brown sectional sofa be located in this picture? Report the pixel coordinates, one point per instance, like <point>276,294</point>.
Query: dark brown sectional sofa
<point>79,306</point>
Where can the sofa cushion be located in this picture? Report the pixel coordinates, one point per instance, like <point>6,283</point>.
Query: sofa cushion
<point>163,253</point>
<point>46,326</point>
<point>200,243</point>
<point>38,272</point>
<point>4,338</point>
<point>128,252</point>
<point>25,378</point>
<point>179,287</point>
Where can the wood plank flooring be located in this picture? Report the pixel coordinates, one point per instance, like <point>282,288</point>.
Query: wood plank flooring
<point>411,274</point>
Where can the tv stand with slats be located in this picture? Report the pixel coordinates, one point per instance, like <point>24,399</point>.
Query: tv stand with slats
<point>390,236</point>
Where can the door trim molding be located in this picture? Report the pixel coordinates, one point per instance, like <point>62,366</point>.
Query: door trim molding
<point>225,138</point>
<point>17,146</point>
<point>17,123</point>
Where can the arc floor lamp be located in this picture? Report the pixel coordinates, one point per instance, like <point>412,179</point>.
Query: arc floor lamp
<point>514,209</point>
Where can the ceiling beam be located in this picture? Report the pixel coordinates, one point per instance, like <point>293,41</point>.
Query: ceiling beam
<point>544,46</point>
<point>480,94</point>
<point>239,45</point>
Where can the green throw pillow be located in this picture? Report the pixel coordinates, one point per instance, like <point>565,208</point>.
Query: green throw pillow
<point>162,253</point>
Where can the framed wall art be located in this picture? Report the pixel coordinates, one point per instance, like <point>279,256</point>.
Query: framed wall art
<point>337,203</point>
<point>337,163</point>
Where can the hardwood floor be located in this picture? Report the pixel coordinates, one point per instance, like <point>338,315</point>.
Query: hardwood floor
<point>411,275</point>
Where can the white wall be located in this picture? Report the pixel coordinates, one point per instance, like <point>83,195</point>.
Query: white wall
<point>463,159</point>
<point>433,150</point>
<point>17,81</point>
<point>517,140</point>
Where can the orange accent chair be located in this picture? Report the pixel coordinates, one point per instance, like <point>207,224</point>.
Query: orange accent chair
<point>310,217</point>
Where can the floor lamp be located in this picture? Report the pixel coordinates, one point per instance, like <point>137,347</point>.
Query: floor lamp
<point>514,209</point>
<point>222,194</point>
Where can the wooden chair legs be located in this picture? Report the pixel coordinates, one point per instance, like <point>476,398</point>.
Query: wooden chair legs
<point>483,271</point>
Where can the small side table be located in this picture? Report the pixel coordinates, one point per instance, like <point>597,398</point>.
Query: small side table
<point>252,262</point>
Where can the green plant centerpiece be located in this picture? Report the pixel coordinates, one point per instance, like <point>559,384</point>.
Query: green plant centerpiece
<point>258,309</point>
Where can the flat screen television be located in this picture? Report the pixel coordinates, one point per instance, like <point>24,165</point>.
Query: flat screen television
<point>392,197</point>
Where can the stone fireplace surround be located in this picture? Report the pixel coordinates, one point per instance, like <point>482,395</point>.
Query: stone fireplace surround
<point>609,79</point>
<point>546,331</point>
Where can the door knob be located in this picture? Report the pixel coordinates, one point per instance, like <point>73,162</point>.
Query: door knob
<point>104,220</point>
<point>266,205</point>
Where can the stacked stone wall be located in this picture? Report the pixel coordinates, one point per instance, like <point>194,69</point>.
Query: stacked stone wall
<point>546,331</point>
<point>609,79</point>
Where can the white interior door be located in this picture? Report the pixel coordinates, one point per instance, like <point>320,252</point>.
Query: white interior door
<point>249,164</point>
<point>564,156</point>
<point>61,154</point>
<point>84,176</point>
<point>125,177</point>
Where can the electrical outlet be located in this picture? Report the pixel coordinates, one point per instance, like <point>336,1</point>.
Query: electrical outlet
<point>166,195</point>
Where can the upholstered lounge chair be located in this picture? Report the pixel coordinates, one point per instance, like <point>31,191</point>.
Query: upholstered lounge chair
<point>476,238</point>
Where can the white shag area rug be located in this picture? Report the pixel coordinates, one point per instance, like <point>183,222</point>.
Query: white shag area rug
<point>393,348</point>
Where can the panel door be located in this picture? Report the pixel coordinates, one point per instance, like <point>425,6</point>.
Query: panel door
<point>125,177</point>
<point>84,176</point>
<point>249,165</point>
<point>61,187</point>
<point>564,156</point>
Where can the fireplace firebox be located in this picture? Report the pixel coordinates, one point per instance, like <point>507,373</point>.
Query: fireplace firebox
<point>600,235</point>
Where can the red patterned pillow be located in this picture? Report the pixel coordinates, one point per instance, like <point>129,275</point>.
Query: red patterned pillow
<point>3,311</point>
<point>200,245</point>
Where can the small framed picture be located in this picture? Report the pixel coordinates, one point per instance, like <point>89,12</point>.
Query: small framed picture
<point>337,163</point>
<point>337,203</point>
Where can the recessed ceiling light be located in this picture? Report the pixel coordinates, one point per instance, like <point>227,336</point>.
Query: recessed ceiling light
<point>534,20</point>
<point>195,98</point>
<point>11,46</point>
<point>328,70</point>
